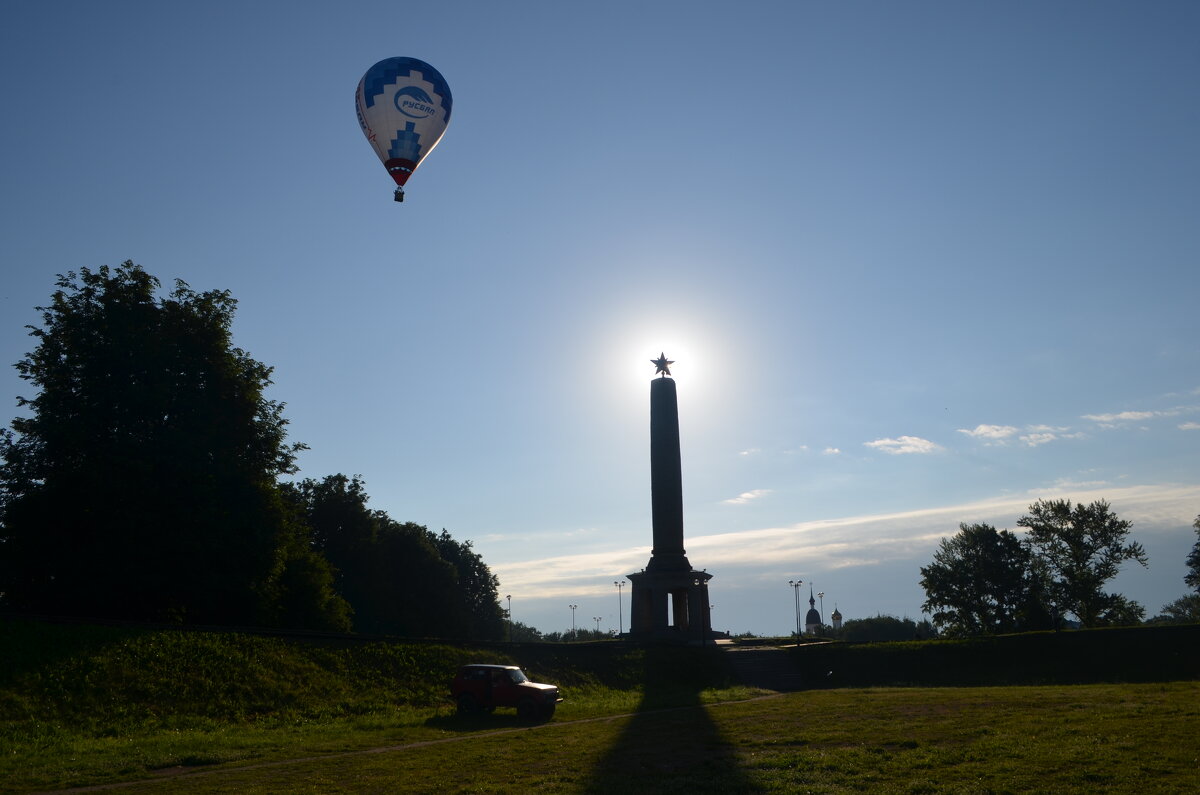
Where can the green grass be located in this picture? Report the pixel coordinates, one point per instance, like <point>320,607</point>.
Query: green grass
<point>1081,738</point>
<point>83,705</point>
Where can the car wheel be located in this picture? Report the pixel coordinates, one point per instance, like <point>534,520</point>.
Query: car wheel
<point>527,709</point>
<point>548,713</point>
<point>467,704</point>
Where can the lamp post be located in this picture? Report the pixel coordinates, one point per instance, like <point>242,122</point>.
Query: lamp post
<point>796,594</point>
<point>509,598</point>
<point>572,620</point>
<point>821,596</point>
<point>597,620</point>
<point>620,609</point>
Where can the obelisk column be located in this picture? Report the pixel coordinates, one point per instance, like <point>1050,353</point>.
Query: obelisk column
<point>666,477</point>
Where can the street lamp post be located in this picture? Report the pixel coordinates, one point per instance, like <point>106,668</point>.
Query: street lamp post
<point>821,596</point>
<point>572,620</point>
<point>509,598</point>
<point>597,620</point>
<point>796,594</point>
<point>620,609</point>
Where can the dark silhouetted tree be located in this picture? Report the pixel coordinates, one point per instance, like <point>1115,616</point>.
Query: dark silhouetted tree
<point>879,628</point>
<point>304,595</point>
<point>1184,610</point>
<point>1080,548</point>
<point>399,578</point>
<point>478,588</point>
<point>143,484</point>
<point>1193,560</point>
<point>978,582</point>
<point>523,633</point>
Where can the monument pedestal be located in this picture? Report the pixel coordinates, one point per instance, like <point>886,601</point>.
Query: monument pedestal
<point>670,605</point>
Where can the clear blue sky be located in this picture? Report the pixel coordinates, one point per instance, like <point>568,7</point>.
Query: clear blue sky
<point>918,263</point>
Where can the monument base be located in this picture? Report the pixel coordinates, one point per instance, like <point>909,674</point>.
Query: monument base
<point>670,603</point>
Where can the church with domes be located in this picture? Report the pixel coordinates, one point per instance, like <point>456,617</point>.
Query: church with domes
<point>812,619</point>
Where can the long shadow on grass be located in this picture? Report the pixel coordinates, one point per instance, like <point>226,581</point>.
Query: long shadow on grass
<point>671,743</point>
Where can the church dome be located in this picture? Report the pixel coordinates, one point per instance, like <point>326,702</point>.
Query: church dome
<point>812,617</point>
<point>836,615</point>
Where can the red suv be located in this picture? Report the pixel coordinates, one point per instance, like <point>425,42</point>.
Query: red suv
<point>482,688</point>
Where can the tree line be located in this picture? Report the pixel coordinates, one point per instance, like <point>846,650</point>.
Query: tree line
<point>151,480</point>
<point>985,581</point>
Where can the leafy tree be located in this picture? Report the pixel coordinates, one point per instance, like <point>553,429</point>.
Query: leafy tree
<point>1184,610</point>
<point>879,628</point>
<point>399,578</point>
<point>304,593</point>
<point>1081,548</point>
<point>523,633</point>
<point>978,581</point>
<point>1193,560</point>
<point>478,589</point>
<point>143,484</point>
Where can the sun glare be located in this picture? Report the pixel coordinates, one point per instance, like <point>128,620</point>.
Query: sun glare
<point>696,354</point>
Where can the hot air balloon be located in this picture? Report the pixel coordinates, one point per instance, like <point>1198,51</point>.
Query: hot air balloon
<point>403,106</point>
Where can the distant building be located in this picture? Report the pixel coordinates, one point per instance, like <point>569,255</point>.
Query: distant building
<point>812,620</point>
<point>836,618</point>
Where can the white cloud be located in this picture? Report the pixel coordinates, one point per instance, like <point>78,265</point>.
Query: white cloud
<point>751,451</point>
<point>1033,436</point>
<point>1189,426</point>
<point>904,445</point>
<point>1123,416</point>
<point>1107,420</point>
<point>993,432</point>
<point>747,496</point>
<point>1035,439</point>
<point>873,540</point>
<point>831,451</point>
<point>1061,485</point>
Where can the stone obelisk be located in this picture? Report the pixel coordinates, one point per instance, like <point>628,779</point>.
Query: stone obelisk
<point>670,598</point>
<point>666,478</point>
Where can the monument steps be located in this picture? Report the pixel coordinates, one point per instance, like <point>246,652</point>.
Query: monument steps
<point>770,669</point>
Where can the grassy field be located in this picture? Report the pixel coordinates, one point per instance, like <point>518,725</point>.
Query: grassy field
<point>216,712</point>
<point>1081,738</point>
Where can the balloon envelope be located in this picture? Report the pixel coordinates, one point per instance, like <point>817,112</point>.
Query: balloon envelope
<point>403,107</point>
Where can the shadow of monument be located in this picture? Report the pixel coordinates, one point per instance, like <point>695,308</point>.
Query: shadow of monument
<point>671,744</point>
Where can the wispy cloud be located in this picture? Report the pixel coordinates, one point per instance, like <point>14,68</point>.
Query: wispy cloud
<point>831,451</point>
<point>1189,426</point>
<point>1122,416</point>
<point>750,451</point>
<point>1117,419</point>
<point>1033,435</point>
<point>1066,485</point>
<point>904,445</point>
<point>826,544</point>
<point>746,496</point>
<point>993,433</point>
